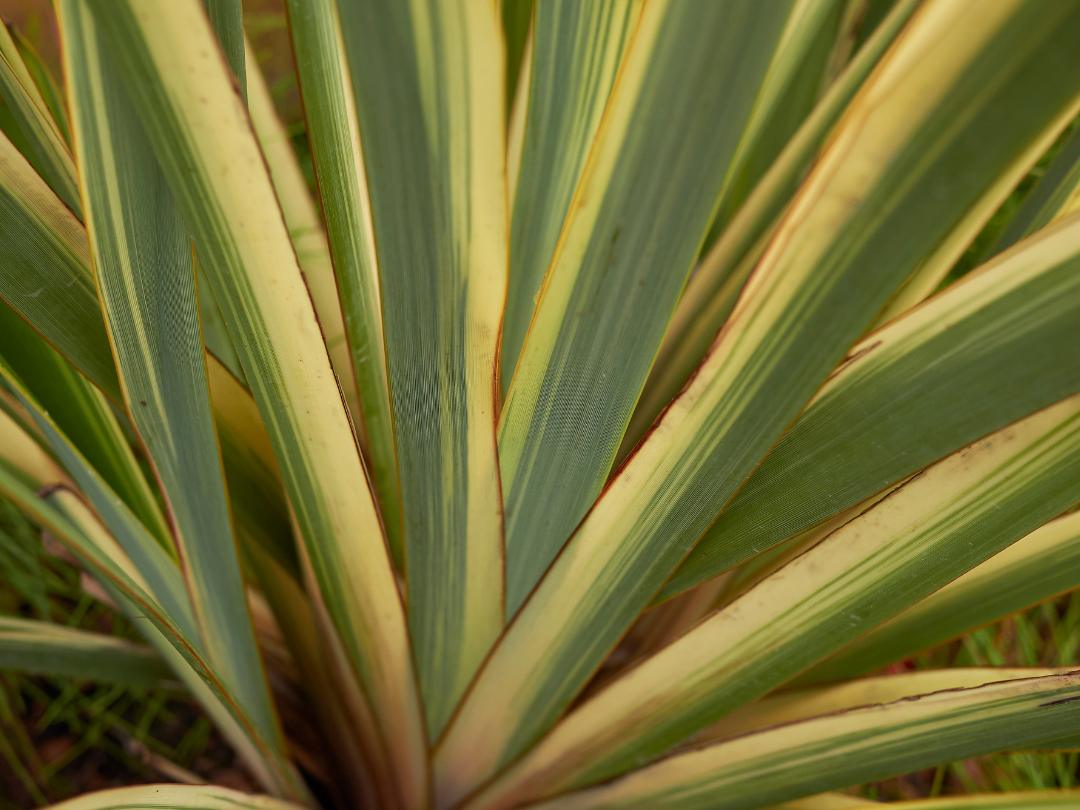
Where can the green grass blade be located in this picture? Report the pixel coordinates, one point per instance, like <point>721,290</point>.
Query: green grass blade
<point>36,127</point>
<point>885,191</point>
<point>201,136</point>
<point>143,263</point>
<point>928,532</point>
<point>44,648</point>
<point>576,52</point>
<point>1038,567</point>
<point>714,288</point>
<point>995,347</point>
<point>861,745</point>
<point>323,73</point>
<point>677,111</point>
<point>427,79</point>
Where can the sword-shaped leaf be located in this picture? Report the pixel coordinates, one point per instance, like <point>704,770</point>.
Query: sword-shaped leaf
<point>998,345</point>
<point>926,533</point>
<point>428,84</point>
<point>174,797</point>
<point>37,130</point>
<point>1038,567</point>
<point>323,72</point>
<point>714,287</point>
<point>577,49</point>
<point>688,80</point>
<point>1056,195</point>
<point>45,648</point>
<point>203,141</point>
<point>143,263</point>
<point>856,746</point>
<point>887,188</point>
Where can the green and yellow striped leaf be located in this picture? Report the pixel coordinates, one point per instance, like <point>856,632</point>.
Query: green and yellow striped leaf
<point>45,277</point>
<point>715,285</point>
<point>24,452</point>
<point>85,416</point>
<point>860,745</point>
<point>1056,196</point>
<point>994,347</point>
<point>427,78</point>
<point>155,563</point>
<point>44,273</point>
<point>1038,567</point>
<point>884,192</point>
<point>48,86</point>
<point>1020,800</point>
<point>797,76</point>
<point>329,107</point>
<point>684,92</point>
<point>173,797</point>
<point>202,138</point>
<point>830,801</point>
<point>33,123</point>
<point>45,648</point>
<point>935,267</point>
<point>67,518</point>
<point>305,227</point>
<point>227,20</point>
<point>516,23</point>
<point>143,264</point>
<point>794,705</point>
<point>941,524</point>
<point>577,49</point>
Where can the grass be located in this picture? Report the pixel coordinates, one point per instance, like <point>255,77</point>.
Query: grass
<point>60,737</point>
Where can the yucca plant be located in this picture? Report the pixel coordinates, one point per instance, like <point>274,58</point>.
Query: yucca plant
<point>602,427</point>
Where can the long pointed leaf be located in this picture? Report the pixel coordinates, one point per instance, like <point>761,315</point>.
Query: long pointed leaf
<point>576,52</point>
<point>305,228</point>
<point>929,531</point>
<point>1038,567</point>
<point>203,141</point>
<point>677,110</point>
<point>997,346</point>
<point>427,77</point>
<point>883,193</point>
<point>43,274</point>
<point>322,69</point>
<point>860,745</point>
<point>143,265</point>
<point>1056,196</point>
<point>173,797</point>
<point>714,288</point>
<point>794,705</point>
<point>47,150</point>
<point>44,648</point>
<point>83,414</point>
